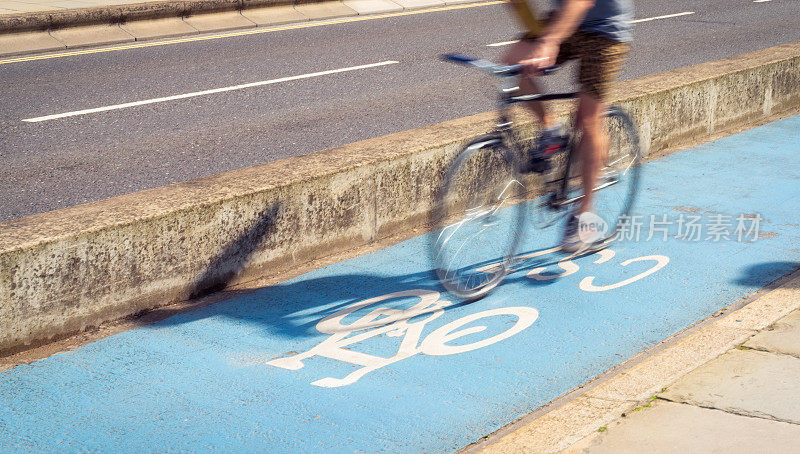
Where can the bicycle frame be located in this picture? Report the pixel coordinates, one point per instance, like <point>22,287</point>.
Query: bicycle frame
<point>509,78</point>
<point>509,85</point>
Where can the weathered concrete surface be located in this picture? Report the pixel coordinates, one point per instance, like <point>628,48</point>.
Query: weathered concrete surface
<point>773,306</point>
<point>561,427</point>
<point>21,43</point>
<point>123,12</point>
<point>230,20</point>
<point>671,428</point>
<point>65,270</point>
<point>416,4</point>
<point>325,10</point>
<point>275,15</point>
<point>92,35</point>
<point>782,337</point>
<point>372,6</point>
<point>649,376</point>
<point>158,28</point>
<point>745,382</point>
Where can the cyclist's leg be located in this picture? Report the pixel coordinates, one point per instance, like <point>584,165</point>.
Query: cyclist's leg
<point>601,60</point>
<point>593,144</point>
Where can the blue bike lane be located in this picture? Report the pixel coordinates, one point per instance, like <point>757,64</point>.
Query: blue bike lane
<point>370,354</point>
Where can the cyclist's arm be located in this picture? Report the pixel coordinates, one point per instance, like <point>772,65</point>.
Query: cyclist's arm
<point>543,51</point>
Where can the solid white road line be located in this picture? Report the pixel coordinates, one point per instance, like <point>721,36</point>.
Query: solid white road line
<point>206,92</point>
<point>761,1</point>
<point>685,13</point>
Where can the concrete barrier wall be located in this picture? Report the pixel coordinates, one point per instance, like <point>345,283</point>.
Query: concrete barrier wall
<point>66,270</point>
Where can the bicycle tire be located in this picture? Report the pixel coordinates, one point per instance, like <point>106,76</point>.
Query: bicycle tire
<point>478,218</point>
<point>621,173</point>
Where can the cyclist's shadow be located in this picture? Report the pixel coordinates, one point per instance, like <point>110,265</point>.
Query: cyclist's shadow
<point>293,308</point>
<point>539,267</point>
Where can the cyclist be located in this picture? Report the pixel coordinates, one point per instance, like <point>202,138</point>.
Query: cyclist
<point>597,33</point>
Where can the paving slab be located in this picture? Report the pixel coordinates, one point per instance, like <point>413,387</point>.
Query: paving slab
<point>418,4</point>
<point>746,382</point>
<point>373,6</point>
<point>274,15</point>
<point>782,337</point>
<point>23,7</point>
<point>56,4</point>
<point>92,35</point>
<point>325,10</point>
<point>21,43</point>
<point>669,427</point>
<point>230,20</point>
<point>158,28</point>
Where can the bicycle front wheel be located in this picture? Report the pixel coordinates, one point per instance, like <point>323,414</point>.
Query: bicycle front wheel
<point>618,182</point>
<point>478,218</point>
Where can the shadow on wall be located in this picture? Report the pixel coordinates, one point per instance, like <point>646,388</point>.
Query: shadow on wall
<point>225,267</point>
<point>767,275</point>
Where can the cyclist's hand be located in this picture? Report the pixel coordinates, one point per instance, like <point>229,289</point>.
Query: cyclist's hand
<point>542,55</point>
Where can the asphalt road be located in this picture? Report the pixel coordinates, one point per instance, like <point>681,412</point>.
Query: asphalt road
<point>66,161</point>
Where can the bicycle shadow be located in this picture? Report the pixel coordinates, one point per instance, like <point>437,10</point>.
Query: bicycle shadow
<point>292,309</point>
<point>537,267</point>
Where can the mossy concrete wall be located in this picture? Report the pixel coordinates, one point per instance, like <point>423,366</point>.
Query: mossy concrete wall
<point>66,270</point>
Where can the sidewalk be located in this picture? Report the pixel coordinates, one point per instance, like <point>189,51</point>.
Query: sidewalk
<point>743,401</point>
<point>32,26</point>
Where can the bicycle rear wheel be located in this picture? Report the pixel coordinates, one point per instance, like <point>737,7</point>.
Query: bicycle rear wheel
<point>478,218</point>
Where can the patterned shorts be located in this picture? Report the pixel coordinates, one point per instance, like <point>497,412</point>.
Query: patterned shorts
<point>600,59</point>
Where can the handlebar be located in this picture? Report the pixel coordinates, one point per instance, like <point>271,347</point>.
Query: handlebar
<point>492,68</point>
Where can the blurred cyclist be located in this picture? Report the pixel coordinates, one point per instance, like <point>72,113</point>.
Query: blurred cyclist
<point>597,33</point>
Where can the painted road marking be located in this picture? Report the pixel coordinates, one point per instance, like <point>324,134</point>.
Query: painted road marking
<point>761,1</point>
<point>648,19</point>
<point>395,323</point>
<point>503,43</point>
<point>370,354</point>
<point>668,16</point>
<point>242,33</point>
<point>206,92</point>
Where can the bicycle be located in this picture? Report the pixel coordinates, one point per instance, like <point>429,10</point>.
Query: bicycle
<point>488,190</point>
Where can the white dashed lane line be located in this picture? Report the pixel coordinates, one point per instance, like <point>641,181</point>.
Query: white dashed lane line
<point>647,19</point>
<point>205,92</point>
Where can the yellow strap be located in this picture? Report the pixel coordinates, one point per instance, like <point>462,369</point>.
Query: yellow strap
<point>528,17</point>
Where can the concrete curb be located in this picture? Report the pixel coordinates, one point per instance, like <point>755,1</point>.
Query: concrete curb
<point>27,33</point>
<point>114,14</point>
<point>581,417</point>
<point>66,270</point>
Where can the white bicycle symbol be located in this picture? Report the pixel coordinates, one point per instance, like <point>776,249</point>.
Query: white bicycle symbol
<point>397,323</point>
